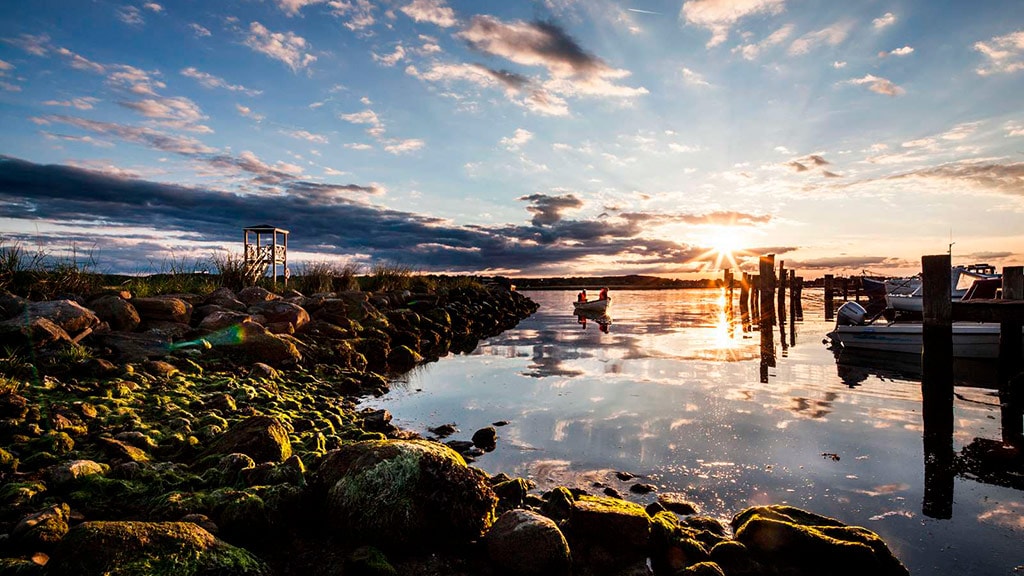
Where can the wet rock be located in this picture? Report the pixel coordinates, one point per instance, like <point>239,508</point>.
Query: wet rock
<point>512,492</point>
<point>403,358</point>
<point>377,421</point>
<point>117,312</point>
<point>486,438</point>
<point>444,430</point>
<point>405,492</point>
<point>135,548</point>
<point>525,543</point>
<point>163,309</point>
<point>625,476</point>
<point>641,488</point>
<point>676,502</point>
<point>802,543</point>
<point>262,438</point>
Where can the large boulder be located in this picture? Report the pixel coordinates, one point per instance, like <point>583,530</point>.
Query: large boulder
<point>145,548</point>
<point>69,315</point>
<point>117,312</point>
<point>262,438</point>
<point>225,298</point>
<point>163,309</point>
<point>254,294</point>
<point>801,543</point>
<point>278,311</point>
<point>608,531</point>
<point>405,492</point>
<point>525,543</point>
<point>250,342</point>
<point>31,333</point>
<point>221,319</point>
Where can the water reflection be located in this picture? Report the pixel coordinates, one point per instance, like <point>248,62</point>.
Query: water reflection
<point>678,392</point>
<point>602,319</point>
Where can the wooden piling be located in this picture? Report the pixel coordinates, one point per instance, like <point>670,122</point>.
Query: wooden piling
<point>793,296</point>
<point>745,301</point>
<point>799,298</point>
<point>829,303</point>
<point>767,292</point>
<point>755,299</point>
<point>1011,381</point>
<point>937,345</point>
<point>782,293</point>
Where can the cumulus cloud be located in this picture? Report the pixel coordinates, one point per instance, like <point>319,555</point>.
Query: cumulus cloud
<point>547,209</point>
<point>432,11</point>
<point>287,47</point>
<point>153,7</point>
<point>84,103</point>
<point>307,136</point>
<point>358,13</point>
<point>517,140</point>
<point>831,36</point>
<point>1005,54</point>
<point>884,21</point>
<point>208,80</point>
<point>404,146</point>
<point>719,16</point>
<point>877,85</point>
<point>904,51</point>
<point>175,112</point>
<point>752,51</point>
<point>390,59</point>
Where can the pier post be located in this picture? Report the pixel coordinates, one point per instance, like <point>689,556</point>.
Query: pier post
<point>1011,380</point>
<point>755,299</point>
<point>782,293</point>
<point>794,295</point>
<point>745,301</point>
<point>829,304</point>
<point>937,385</point>
<point>799,298</point>
<point>767,292</point>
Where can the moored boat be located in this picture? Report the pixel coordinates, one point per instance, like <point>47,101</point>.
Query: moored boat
<point>592,305</point>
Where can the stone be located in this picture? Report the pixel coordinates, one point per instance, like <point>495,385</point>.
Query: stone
<point>523,542</point>
<point>262,438</point>
<point>250,342</point>
<point>278,311</point>
<point>68,472</point>
<point>146,548</point>
<point>69,315</point>
<point>119,451</point>
<point>40,531</point>
<point>676,502</point>
<point>225,298</point>
<point>254,294</point>
<point>801,543</point>
<point>486,438</point>
<point>117,312</point>
<point>221,319</point>
<point>609,531</point>
<point>163,308</point>
<point>404,493</point>
<point>31,333</point>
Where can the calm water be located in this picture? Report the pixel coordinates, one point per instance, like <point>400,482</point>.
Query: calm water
<point>676,393</point>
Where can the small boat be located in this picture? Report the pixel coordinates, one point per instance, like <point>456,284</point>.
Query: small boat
<point>592,305</point>
<point>905,295</point>
<point>970,339</point>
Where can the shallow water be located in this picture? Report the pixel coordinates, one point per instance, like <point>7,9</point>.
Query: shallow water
<point>682,396</point>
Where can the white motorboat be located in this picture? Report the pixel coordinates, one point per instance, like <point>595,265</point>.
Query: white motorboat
<point>904,295</point>
<point>970,339</point>
<point>592,305</point>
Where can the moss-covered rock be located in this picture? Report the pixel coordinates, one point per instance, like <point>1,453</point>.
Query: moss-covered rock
<point>525,543</point>
<point>702,569</point>
<point>262,438</point>
<point>389,492</point>
<point>149,549</point>
<point>40,531</point>
<point>802,543</point>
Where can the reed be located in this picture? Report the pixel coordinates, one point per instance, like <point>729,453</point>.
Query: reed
<point>323,276</point>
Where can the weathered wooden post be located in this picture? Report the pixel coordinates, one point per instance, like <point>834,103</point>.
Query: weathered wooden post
<point>745,301</point>
<point>794,295</point>
<point>799,298</point>
<point>727,284</point>
<point>755,299</point>
<point>782,292</point>
<point>937,385</point>
<point>767,292</point>
<point>829,304</point>
<point>1011,379</point>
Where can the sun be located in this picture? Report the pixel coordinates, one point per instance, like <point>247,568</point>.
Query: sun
<point>723,244</point>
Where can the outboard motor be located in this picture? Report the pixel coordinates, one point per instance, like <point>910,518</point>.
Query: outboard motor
<point>851,314</point>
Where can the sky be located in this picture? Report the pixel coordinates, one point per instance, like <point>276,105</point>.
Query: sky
<point>543,138</point>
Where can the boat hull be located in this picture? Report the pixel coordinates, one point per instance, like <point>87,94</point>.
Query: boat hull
<point>592,305</point>
<point>970,340</point>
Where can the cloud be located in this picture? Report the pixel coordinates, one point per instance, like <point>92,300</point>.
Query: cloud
<point>432,11</point>
<point>832,36</point>
<point>693,78</point>
<point>877,85</point>
<point>287,47</point>
<point>136,80</point>
<point>404,146</point>
<point>752,51</point>
<point>884,21</point>
<point>35,45</point>
<point>153,7</point>
<point>308,136</point>
<point>140,135</point>
<point>516,141</point>
<point>82,139</point>
<point>1003,178</point>
<point>390,59</point>
<point>573,71</point>
<point>358,146</point>
<point>292,7</point>
<point>839,64</point>
<point>547,209</point>
<point>365,117</point>
<point>84,103</point>
<point>247,112</point>
<point>719,16</point>
<point>174,112</point>
<point>904,51</point>
<point>199,31</point>
<point>359,13</point>
<point>130,15</point>
<point>210,81</point>
<point>1005,54</point>
<point>80,62</point>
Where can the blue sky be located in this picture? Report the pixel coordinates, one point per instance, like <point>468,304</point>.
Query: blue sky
<point>524,138</point>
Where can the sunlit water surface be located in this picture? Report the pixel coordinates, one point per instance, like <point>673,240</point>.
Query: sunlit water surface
<point>674,392</point>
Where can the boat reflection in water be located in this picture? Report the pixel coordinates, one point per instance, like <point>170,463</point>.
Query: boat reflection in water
<point>854,367</point>
<point>600,318</point>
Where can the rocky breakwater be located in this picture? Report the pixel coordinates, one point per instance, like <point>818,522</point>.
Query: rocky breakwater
<point>220,435</point>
